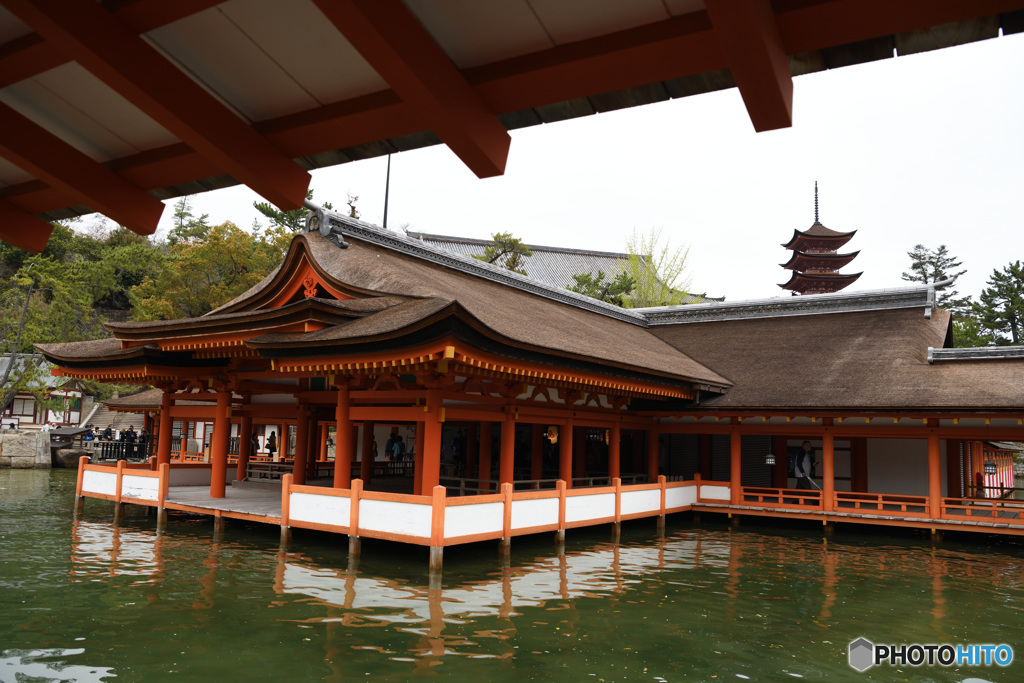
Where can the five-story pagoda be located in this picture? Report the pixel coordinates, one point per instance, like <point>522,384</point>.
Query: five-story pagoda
<point>815,261</point>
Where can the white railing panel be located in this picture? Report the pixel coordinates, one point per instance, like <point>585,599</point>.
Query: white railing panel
<point>143,488</point>
<point>466,520</point>
<point>714,492</point>
<point>534,512</point>
<point>393,517</point>
<point>635,502</point>
<point>681,496</point>
<point>593,506</point>
<point>319,509</point>
<point>99,482</point>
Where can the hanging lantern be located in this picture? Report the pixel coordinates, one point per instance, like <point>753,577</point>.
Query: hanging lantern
<point>769,459</point>
<point>607,437</point>
<point>990,467</point>
<point>552,434</point>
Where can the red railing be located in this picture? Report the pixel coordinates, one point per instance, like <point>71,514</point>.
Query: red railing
<point>780,498</point>
<point>981,509</point>
<point>882,504</point>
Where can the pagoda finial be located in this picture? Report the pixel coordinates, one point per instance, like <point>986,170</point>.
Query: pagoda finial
<point>815,201</point>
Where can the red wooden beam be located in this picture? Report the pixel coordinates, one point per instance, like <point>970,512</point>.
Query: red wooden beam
<point>646,54</point>
<point>390,38</point>
<point>750,39</point>
<point>22,229</point>
<point>115,53</point>
<point>30,55</point>
<point>57,163</point>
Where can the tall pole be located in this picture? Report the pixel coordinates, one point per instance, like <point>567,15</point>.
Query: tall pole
<point>387,191</point>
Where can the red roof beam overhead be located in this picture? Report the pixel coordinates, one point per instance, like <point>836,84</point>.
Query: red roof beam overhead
<point>401,51</point>
<point>63,167</point>
<point>22,229</point>
<point>749,38</point>
<point>114,52</point>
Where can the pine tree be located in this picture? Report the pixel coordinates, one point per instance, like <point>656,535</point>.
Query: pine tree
<point>508,252</point>
<point>598,287</point>
<point>935,265</point>
<point>1001,308</point>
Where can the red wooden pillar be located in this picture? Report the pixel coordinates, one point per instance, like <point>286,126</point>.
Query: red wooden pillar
<point>780,471</point>
<point>322,441</point>
<point>565,453</point>
<point>828,467</point>
<point>653,455</point>
<point>163,446</point>
<point>704,455</point>
<point>343,440</point>
<point>614,436</point>
<point>472,452</point>
<point>301,446</point>
<point>219,446</point>
<point>506,467</point>
<point>934,473</point>
<point>244,446</point>
<point>537,433</point>
<point>431,444</point>
<point>735,473</point>
<point>366,455</point>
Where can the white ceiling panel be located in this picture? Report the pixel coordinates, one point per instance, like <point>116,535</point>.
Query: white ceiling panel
<point>11,27</point>
<point>678,7</point>
<point>473,32</point>
<point>303,42</point>
<point>218,54</point>
<point>81,110</point>
<point>11,174</point>
<point>567,21</point>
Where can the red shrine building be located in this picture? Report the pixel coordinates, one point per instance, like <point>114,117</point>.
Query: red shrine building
<point>816,260</point>
<point>528,408</point>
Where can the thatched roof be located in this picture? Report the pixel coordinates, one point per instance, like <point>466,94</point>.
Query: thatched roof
<point>867,359</point>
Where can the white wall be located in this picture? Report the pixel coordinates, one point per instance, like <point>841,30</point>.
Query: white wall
<point>901,466</point>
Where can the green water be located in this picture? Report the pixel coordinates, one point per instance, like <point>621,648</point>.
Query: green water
<point>86,600</point>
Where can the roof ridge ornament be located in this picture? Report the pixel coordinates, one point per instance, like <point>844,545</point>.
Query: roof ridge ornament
<point>316,221</point>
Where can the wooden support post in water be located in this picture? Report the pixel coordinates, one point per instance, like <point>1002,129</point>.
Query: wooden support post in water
<point>218,524</point>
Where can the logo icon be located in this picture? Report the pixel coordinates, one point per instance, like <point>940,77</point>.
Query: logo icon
<point>862,654</point>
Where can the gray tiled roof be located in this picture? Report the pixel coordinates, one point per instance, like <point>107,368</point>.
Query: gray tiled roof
<point>553,266</point>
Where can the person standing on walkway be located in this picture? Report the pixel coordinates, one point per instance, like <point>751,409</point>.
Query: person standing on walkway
<point>804,466</point>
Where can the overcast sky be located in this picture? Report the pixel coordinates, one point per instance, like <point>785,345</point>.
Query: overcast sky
<point>924,149</point>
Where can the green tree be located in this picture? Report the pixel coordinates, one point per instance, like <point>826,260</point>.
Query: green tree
<point>215,265</point>
<point>295,221</point>
<point>1000,310</point>
<point>658,271</point>
<point>507,251</point>
<point>934,265</point>
<point>599,287</point>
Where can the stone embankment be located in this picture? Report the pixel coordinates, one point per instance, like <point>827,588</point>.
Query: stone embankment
<point>24,450</point>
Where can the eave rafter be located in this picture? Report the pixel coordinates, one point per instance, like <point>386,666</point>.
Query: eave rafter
<point>116,54</point>
<point>749,37</point>
<point>394,43</point>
